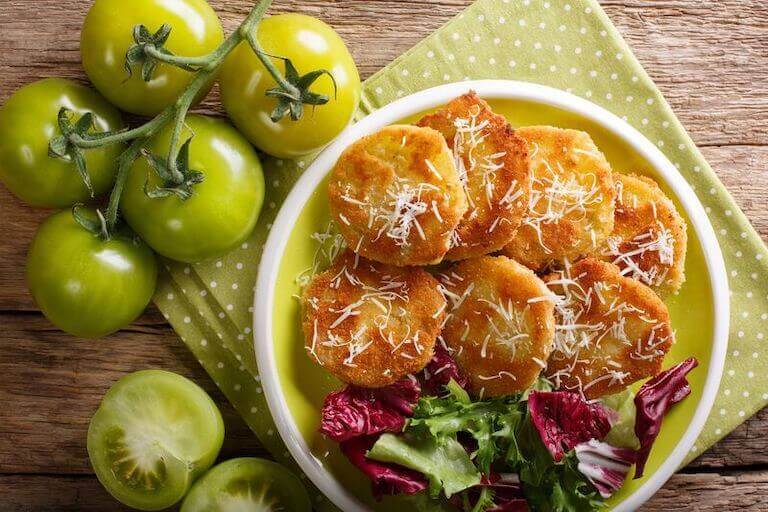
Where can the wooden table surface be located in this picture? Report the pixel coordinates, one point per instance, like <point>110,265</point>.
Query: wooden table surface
<point>709,57</point>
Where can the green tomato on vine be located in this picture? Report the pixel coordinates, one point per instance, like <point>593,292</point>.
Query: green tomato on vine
<point>191,187</point>
<point>30,119</point>
<point>84,282</point>
<point>217,206</point>
<point>246,86</point>
<point>144,86</point>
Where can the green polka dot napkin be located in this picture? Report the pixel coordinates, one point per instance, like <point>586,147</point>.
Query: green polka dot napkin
<point>571,45</point>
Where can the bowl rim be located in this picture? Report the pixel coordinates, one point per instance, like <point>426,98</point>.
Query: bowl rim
<point>276,244</point>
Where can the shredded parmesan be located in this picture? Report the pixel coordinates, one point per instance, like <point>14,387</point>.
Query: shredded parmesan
<point>401,214</point>
<point>557,195</point>
<point>632,256</point>
<point>585,319</point>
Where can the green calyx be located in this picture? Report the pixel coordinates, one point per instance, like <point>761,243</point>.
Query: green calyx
<point>63,146</point>
<point>97,226</point>
<point>179,181</point>
<point>145,48</point>
<point>293,92</point>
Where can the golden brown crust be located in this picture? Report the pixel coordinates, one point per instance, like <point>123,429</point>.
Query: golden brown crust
<point>612,330</point>
<point>649,239</point>
<point>396,196</point>
<point>571,204</point>
<point>500,324</point>
<point>494,166</point>
<point>371,324</point>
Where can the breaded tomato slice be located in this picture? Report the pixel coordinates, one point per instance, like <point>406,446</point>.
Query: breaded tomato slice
<point>500,323</point>
<point>371,324</point>
<point>397,197</point>
<point>649,239</point>
<point>611,330</point>
<point>570,210</point>
<point>494,168</point>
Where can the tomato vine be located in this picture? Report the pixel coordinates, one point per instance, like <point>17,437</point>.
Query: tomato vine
<point>292,93</point>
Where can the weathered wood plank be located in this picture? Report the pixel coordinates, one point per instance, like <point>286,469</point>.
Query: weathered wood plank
<point>747,446</point>
<point>711,492</point>
<point>51,384</point>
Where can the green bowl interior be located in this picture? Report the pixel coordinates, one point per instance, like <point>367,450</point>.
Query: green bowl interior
<point>305,384</point>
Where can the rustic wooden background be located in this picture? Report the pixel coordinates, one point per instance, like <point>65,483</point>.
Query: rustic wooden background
<point>709,57</point>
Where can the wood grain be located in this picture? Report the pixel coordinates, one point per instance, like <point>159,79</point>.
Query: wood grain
<point>51,384</point>
<point>709,58</point>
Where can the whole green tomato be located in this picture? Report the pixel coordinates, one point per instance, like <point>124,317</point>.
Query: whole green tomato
<point>223,209</point>
<point>108,33</point>
<point>84,285</point>
<point>28,121</point>
<point>311,45</point>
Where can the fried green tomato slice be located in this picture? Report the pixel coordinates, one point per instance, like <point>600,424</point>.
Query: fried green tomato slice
<point>570,209</point>
<point>649,239</point>
<point>494,168</point>
<point>500,324</point>
<point>396,196</point>
<point>611,330</point>
<point>371,324</point>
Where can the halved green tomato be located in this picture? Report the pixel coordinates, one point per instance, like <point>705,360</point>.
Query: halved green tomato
<point>154,433</point>
<point>247,485</point>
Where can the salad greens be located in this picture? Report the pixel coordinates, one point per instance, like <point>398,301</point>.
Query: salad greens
<point>542,450</point>
<point>444,461</point>
<point>623,430</point>
<point>490,422</point>
<point>500,438</point>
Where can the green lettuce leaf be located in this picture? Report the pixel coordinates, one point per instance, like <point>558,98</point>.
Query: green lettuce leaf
<point>563,489</point>
<point>507,442</point>
<point>490,422</point>
<point>623,431</point>
<point>444,462</point>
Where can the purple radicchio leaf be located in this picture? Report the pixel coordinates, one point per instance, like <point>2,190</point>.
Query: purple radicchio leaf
<point>653,401</point>
<point>605,465</point>
<point>354,411</point>
<point>439,372</point>
<point>385,478</point>
<point>565,419</point>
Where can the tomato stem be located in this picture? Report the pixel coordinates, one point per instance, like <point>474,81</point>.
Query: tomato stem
<point>123,167</point>
<point>142,131</point>
<point>192,64</point>
<point>215,60</point>
<point>267,62</point>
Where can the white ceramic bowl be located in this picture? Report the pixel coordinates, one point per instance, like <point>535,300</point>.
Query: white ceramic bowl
<point>429,99</point>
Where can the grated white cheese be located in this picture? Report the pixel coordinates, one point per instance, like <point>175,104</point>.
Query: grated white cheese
<point>557,195</point>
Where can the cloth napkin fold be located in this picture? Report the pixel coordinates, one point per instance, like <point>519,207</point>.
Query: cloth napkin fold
<point>570,45</point>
